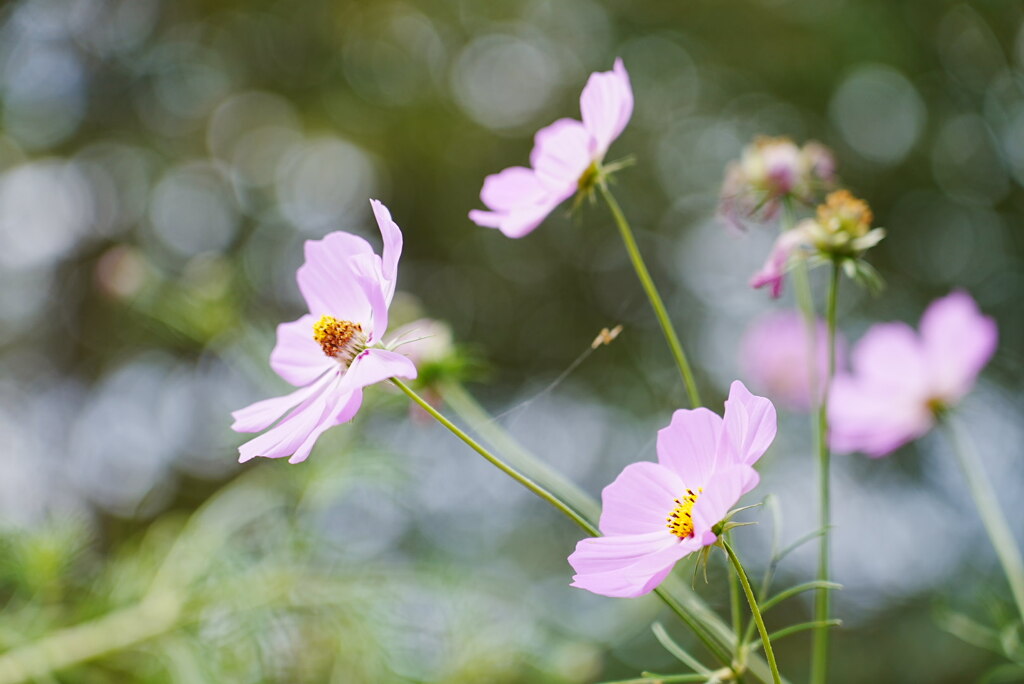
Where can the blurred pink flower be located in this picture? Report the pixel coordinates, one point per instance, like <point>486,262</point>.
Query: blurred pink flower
<point>769,171</point>
<point>332,352</point>
<point>776,353</point>
<point>901,378</point>
<point>565,158</point>
<point>656,513</point>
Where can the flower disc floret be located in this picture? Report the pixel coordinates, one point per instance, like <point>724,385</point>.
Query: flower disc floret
<point>680,520</point>
<point>343,340</point>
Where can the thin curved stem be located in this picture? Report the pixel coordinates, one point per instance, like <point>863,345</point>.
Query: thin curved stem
<point>752,600</point>
<point>984,495</point>
<point>652,294</point>
<point>471,413</point>
<point>819,654</point>
<point>522,479</point>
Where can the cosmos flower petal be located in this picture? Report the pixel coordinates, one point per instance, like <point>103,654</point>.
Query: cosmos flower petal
<point>689,445</point>
<point>344,408</point>
<point>627,565</point>
<point>517,222</point>
<point>640,499</point>
<point>958,341</point>
<point>286,437</point>
<point>606,105</point>
<point>561,153</point>
<point>367,275</point>
<point>891,355</point>
<point>263,414</point>
<point>750,424</point>
<point>872,418</point>
<point>392,236</point>
<point>512,188</point>
<point>297,357</point>
<point>327,281</point>
<point>773,271</point>
<point>376,365</point>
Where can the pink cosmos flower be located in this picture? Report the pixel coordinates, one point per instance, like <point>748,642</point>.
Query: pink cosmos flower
<point>563,158</point>
<point>776,354</point>
<point>656,513</point>
<point>901,378</point>
<point>332,352</point>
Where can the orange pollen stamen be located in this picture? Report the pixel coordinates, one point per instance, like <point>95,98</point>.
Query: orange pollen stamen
<point>339,339</point>
<point>680,522</point>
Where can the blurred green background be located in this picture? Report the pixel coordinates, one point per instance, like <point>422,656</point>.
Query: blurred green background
<point>161,164</point>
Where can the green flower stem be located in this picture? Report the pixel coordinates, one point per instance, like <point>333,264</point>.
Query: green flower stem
<point>735,609</point>
<point>519,477</point>
<point>819,654</point>
<point>988,508</point>
<point>805,301</point>
<point>474,415</point>
<point>702,633</point>
<point>752,600</point>
<point>652,294</point>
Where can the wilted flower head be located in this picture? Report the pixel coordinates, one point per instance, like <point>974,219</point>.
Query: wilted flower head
<point>841,233</point>
<point>654,514</point>
<point>777,354</point>
<point>902,379</point>
<point>334,351</point>
<point>843,226</point>
<point>566,157</point>
<point>769,171</point>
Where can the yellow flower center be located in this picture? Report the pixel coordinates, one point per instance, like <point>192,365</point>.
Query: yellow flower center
<point>339,339</point>
<point>680,522</point>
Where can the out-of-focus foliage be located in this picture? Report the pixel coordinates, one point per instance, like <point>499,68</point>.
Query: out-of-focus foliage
<point>161,164</point>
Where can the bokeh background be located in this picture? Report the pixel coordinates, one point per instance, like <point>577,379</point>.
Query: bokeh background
<point>161,164</point>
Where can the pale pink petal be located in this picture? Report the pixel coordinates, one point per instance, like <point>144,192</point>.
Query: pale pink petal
<point>640,499</point>
<point>263,414</point>
<point>873,418</point>
<point>749,424</point>
<point>518,201</point>
<point>890,355</point>
<point>720,494</point>
<point>376,365</point>
<point>689,445</point>
<point>512,188</point>
<point>344,407</point>
<point>367,275</point>
<point>606,105</point>
<point>958,341</point>
<point>561,153</point>
<point>327,281</point>
<point>774,269</point>
<point>486,219</point>
<point>392,236</point>
<point>291,433</point>
<point>517,223</point>
<point>297,357</point>
<point>627,565</point>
